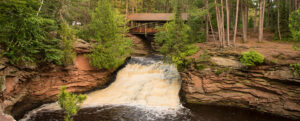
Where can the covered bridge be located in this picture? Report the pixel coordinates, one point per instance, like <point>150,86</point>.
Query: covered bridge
<point>145,23</point>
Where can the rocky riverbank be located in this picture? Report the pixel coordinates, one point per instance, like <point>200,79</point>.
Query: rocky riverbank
<point>268,88</point>
<point>221,80</point>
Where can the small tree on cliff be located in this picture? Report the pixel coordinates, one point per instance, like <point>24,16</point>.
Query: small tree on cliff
<point>109,29</point>
<point>70,103</point>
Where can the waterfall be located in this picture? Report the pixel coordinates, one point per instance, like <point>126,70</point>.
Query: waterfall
<point>143,81</point>
<point>146,89</point>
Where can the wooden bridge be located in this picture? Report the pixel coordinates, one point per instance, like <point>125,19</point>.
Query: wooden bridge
<point>145,23</point>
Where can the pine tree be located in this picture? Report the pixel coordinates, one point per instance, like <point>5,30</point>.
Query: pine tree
<point>70,103</point>
<point>109,29</point>
<point>173,39</point>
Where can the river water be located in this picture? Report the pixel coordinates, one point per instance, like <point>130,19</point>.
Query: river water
<point>146,89</point>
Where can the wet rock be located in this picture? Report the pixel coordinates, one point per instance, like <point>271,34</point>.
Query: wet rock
<point>81,46</point>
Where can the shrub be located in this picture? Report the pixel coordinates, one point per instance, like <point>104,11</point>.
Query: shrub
<point>70,103</point>
<point>296,68</point>
<point>252,58</point>
<point>294,24</point>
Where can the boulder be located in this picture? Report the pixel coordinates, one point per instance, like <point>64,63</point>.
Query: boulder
<point>80,46</point>
<point>224,62</point>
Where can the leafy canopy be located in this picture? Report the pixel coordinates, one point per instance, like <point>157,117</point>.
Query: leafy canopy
<point>109,28</point>
<point>294,25</point>
<point>67,36</point>
<point>252,58</point>
<point>70,103</point>
<point>173,39</point>
<point>24,35</point>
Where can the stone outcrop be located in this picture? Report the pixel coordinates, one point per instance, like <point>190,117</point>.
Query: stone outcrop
<point>80,46</point>
<point>27,87</point>
<point>272,89</point>
<point>139,46</point>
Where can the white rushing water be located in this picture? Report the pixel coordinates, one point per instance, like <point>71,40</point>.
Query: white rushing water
<point>146,89</point>
<point>141,82</point>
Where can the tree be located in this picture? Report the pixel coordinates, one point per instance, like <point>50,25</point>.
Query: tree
<point>236,22</point>
<point>228,23</point>
<point>70,103</point>
<point>25,36</point>
<point>261,20</point>
<point>67,36</point>
<point>245,19</point>
<point>109,29</point>
<point>294,25</point>
<point>278,18</point>
<point>220,22</point>
<point>173,39</point>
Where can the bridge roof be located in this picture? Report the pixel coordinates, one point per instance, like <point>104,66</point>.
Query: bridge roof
<point>154,16</point>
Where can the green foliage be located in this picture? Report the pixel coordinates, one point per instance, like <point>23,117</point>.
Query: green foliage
<point>251,22</point>
<point>219,71</point>
<point>296,68</point>
<point>294,25</point>
<point>24,35</point>
<point>196,21</point>
<point>67,36</point>
<point>70,103</point>
<point>109,28</point>
<point>204,57</point>
<point>252,58</point>
<point>173,39</point>
<point>295,47</point>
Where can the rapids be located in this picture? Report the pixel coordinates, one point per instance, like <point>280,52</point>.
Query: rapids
<point>143,81</point>
<point>146,89</point>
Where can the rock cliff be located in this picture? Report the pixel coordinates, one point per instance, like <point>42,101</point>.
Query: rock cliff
<point>270,88</point>
<point>25,88</point>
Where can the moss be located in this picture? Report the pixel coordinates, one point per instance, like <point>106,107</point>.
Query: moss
<point>296,68</point>
<point>219,71</point>
<point>252,58</point>
<point>199,66</point>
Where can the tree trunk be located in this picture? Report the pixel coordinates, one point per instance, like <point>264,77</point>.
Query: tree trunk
<point>219,24</point>
<point>222,24</point>
<point>228,23</point>
<point>40,8</point>
<point>236,22</point>
<point>212,29</point>
<point>127,4</point>
<point>244,20</point>
<point>261,20</point>
<point>278,18</point>
<point>207,21</point>
<point>255,18</point>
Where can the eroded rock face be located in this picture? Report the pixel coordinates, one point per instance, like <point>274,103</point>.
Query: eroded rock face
<point>27,88</point>
<point>80,46</point>
<point>266,88</point>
